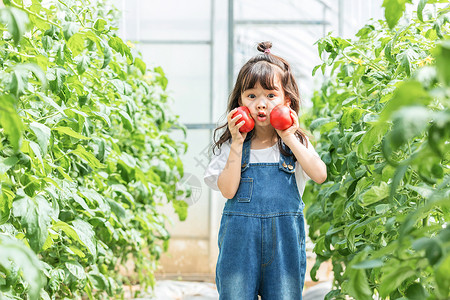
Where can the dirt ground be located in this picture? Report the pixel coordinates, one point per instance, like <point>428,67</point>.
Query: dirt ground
<point>189,290</point>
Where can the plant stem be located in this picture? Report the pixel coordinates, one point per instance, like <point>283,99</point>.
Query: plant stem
<point>34,14</point>
<point>363,55</point>
<point>18,53</point>
<point>71,9</point>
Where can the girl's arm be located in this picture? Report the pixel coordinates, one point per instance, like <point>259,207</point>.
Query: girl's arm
<point>313,166</point>
<point>229,179</point>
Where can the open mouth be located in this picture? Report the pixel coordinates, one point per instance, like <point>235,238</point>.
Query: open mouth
<point>262,116</point>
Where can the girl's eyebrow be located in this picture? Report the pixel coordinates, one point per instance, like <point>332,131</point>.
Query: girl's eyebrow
<point>276,88</point>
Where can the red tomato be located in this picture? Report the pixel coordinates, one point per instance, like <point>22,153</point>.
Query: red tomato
<point>280,117</point>
<point>249,122</point>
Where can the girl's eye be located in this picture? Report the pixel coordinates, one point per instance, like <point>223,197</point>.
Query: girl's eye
<point>270,96</point>
<point>251,96</point>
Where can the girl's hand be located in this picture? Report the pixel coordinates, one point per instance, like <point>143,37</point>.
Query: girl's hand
<point>236,135</point>
<point>288,134</point>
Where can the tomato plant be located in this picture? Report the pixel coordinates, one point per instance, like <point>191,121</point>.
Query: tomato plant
<point>85,153</point>
<point>382,117</point>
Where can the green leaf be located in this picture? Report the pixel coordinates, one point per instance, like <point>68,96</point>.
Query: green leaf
<point>86,235</point>
<point>24,69</point>
<point>100,24</point>
<point>107,54</point>
<point>70,132</point>
<point>369,264</point>
<point>407,93</point>
<point>442,54</point>
<point>47,42</point>
<point>317,123</point>
<point>7,163</point>
<point>69,29</point>
<point>37,152</point>
<point>420,8</point>
<point>24,259</point>
<point>139,63</point>
<point>398,176</point>
<point>358,285</point>
<point>382,208</point>
<point>393,10</point>
<point>10,120</point>
<point>372,137</point>
<point>76,43</point>
<point>67,229</point>
<point>180,207</point>
<point>42,133</point>
<point>408,123</point>
<point>416,292</point>
<point>83,64</point>
<point>423,190</point>
<point>5,208</point>
<point>17,82</point>
<point>83,204</point>
<point>443,277</point>
<point>126,120</point>
<point>57,77</point>
<point>390,281</point>
<point>350,115</point>
<point>88,157</point>
<point>76,269</point>
<point>406,57</point>
<point>315,70</point>
<point>35,217</point>
<point>117,44</point>
<point>16,21</point>
<point>36,7</point>
<point>375,194</point>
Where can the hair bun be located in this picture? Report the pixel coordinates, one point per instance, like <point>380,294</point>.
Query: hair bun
<point>264,46</point>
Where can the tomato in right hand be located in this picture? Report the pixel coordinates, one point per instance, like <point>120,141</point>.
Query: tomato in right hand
<point>280,117</point>
<point>249,122</point>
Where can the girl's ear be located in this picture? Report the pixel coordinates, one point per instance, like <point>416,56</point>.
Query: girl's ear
<point>287,101</point>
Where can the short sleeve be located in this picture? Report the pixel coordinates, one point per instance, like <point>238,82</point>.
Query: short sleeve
<point>216,166</point>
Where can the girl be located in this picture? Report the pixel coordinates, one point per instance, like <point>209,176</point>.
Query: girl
<point>262,174</point>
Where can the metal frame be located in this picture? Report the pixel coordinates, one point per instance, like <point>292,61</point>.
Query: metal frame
<point>232,23</point>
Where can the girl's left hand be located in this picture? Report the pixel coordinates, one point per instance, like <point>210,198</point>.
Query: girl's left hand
<point>289,133</point>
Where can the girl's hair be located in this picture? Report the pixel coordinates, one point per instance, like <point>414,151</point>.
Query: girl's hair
<point>262,68</point>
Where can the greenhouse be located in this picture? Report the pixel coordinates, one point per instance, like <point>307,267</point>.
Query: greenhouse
<point>125,173</point>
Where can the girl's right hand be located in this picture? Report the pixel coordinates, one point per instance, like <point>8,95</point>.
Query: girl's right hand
<point>236,135</point>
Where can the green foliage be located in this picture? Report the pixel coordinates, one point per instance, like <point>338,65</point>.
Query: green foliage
<point>383,121</point>
<point>85,153</point>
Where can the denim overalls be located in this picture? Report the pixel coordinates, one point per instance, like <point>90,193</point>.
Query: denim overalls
<point>262,234</point>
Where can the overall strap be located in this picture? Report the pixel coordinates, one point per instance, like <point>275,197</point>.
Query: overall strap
<point>287,163</point>
<point>245,154</point>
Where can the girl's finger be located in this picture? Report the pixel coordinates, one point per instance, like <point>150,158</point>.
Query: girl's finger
<point>230,114</point>
<point>234,120</point>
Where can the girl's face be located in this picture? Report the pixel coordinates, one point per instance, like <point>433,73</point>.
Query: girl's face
<point>260,101</point>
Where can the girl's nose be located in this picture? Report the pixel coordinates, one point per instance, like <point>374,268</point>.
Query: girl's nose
<point>261,105</point>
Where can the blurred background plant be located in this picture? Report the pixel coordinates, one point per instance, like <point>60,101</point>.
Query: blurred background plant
<point>85,153</point>
<point>383,118</point>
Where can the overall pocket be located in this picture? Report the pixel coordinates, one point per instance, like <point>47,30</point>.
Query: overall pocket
<point>244,192</point>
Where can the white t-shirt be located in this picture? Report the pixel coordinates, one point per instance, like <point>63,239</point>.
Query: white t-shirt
<point>268,155</point>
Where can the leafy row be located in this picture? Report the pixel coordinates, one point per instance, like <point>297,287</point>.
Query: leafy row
<point>383,117</point>
<point>85,153</point>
